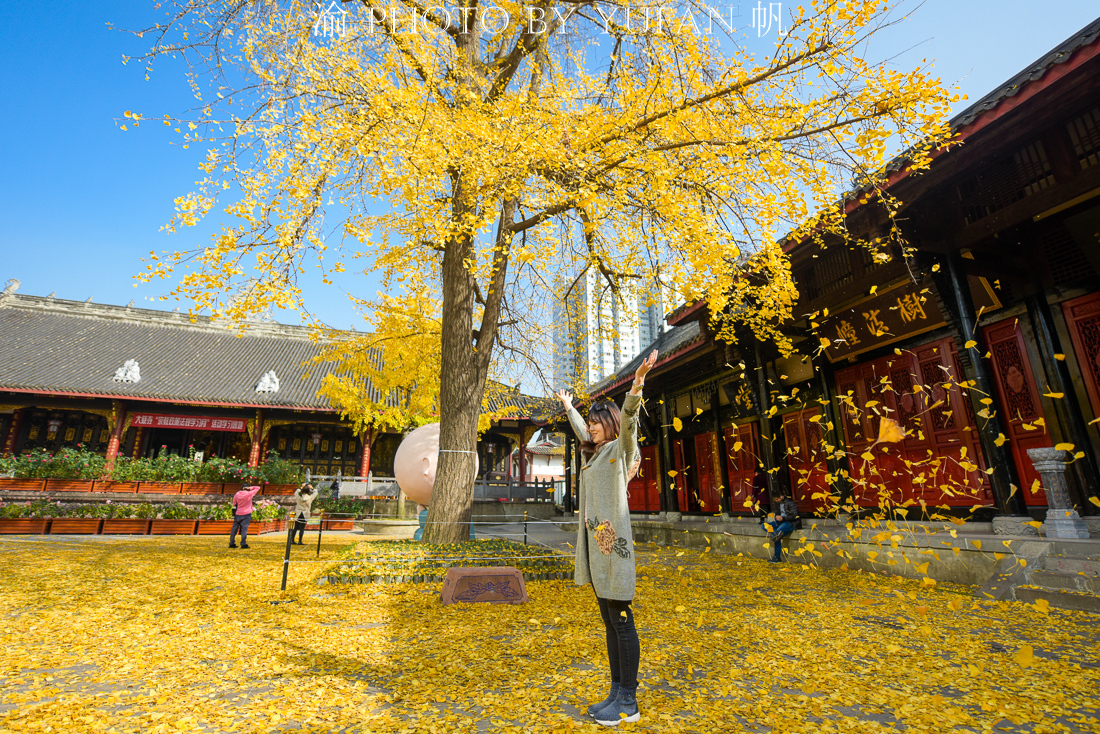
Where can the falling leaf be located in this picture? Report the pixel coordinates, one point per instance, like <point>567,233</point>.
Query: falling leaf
<point>1064,447</point>
<point>677,424</point>
<point>970,344</point>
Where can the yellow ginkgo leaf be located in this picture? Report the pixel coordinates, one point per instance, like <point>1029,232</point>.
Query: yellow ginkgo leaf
<point>1025,656</point>
<point>677,424</point>
<point>970,344</point>
<point>1064,447</point>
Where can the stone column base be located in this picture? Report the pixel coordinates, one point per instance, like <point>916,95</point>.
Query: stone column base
<point>1065,524</point>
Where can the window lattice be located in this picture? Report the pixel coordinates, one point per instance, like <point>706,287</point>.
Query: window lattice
<point>831,270</point>
<point>1005,182</point>
<point>1067,263</point>
<point>1084,131</point>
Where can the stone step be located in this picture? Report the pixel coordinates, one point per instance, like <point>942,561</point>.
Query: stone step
<point>1061,599</point>
<point>1063,580</point>
<point>1071,564</point>
<point>1087,549</point>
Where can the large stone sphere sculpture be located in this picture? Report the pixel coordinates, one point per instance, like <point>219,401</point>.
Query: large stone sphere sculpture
<point>415,463</point>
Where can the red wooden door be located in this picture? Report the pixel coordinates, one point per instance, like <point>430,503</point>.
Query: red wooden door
<point>1020,409</point>
<point>939,461</point>
<point>742,459</point>
<point>645,487</point>
<point>683,489</point>
<point>806,459</point>
<point>706,458</point>
<point>1083,317</point>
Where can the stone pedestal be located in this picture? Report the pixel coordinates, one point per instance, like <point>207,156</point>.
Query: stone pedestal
<point>673,516</point>
<point>1062,520</point>
<point>495,585</point>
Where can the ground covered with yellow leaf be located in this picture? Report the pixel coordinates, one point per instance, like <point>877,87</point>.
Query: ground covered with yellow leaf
<point>181,634</point>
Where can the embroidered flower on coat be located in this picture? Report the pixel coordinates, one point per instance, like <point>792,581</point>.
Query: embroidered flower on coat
<point>605,537</point>
<point>620,548</point>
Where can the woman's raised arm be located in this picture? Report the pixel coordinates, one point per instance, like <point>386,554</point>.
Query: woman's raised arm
<point>579,426</point>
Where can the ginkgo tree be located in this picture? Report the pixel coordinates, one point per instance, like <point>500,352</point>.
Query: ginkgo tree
<point>502,151</point>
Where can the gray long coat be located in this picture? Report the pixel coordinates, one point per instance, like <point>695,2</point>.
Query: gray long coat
<point>604,512</point>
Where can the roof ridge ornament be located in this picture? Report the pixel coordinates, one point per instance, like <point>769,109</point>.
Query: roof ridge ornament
<point>268,383</point>
<point>11,286</point>
<point>130,371</point>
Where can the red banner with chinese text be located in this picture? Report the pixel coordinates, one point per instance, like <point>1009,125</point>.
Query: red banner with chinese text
<point>194,422</point>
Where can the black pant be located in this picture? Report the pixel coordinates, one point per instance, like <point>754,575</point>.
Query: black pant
<point>623,648</point>
<point>300,526</point>
<point>240,524</point>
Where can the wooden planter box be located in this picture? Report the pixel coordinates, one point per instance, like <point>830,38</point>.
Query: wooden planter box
<point>232,488</point>
<point>106,485</point>
<point>337,524</point>
<point>201,488</point>
<point>215,527</point>
<point>172,527</point>
<point>278,489</point>
<point>76,526</point>
<point>159,487</point>
<point>22,485</point>
<point>267,526</point>
<point>70,485</point>
<point>24,526</point>
<point>122,526</point>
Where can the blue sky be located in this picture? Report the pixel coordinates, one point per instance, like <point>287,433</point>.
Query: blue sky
<point>82,202</point>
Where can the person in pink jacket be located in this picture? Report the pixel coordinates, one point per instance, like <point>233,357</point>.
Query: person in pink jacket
<point>242,515</point>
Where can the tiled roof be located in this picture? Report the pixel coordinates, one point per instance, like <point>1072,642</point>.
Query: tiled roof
<point>55,346</point>
<point>68,347</point>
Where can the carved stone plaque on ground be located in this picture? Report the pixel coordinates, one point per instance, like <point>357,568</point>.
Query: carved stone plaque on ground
<point>496,585</point>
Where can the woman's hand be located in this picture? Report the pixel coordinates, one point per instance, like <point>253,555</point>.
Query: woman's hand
<point>566,399</point>
<point>643,370</point>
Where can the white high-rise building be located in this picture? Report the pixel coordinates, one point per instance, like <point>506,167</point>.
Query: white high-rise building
<point>597,333</point>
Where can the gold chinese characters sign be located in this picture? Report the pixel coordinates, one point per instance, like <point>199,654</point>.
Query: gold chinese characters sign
<point>903,311</point>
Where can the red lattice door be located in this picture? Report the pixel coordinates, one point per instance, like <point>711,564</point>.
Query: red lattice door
<point>706,458</point>
<point>1083,317</point>
<point>1018,399</point>
<point>806,459</point>
<point>938,462</point>
<point>645,487</point>
<point>683,489</point>
<point>742,460</point>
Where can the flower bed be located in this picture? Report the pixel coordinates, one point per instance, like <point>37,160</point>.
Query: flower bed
<point>23,526</point>
<point>22,485</point>
<point>70,485</point>
<point>172,527</point>
<point>107,485</point>
<point>125,527</point>
<point>159,487</point>
<point>392,561</point>
<point>80,464</point>
<point>76,526</point>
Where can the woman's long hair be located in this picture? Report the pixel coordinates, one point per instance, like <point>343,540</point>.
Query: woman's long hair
<point>608,415</point>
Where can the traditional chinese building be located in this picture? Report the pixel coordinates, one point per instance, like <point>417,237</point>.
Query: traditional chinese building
<point>981,344</point>
<point>138,382</point>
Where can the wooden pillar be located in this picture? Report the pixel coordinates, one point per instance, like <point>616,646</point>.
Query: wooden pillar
<point>522,454</point>
<point>13,432</point>
<point>366,438</point>
<point>118,413</point>
<point>1072,421</point>
<point>669,502</point>
<point>257,438</point>
<point>722,457</point>
<point>778,479</point>
<point>837,460</point>
<point>999,458</point>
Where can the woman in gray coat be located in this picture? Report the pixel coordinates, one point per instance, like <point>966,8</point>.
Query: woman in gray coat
<point>605,542</point>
